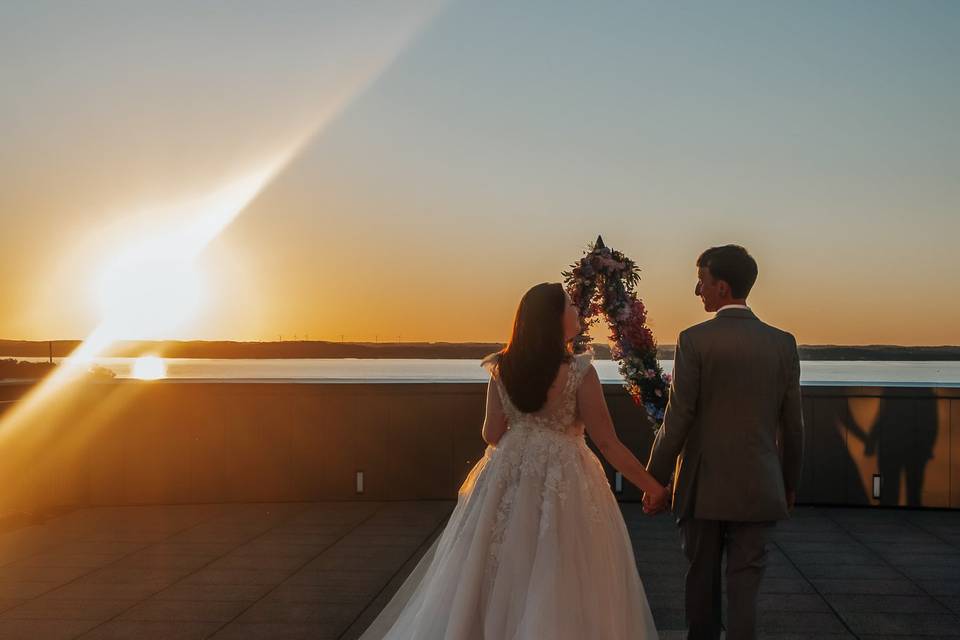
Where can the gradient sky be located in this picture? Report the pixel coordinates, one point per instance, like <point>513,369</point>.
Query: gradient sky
<point>469,150</point>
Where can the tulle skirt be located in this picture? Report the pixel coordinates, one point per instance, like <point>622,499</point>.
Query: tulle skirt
<point>536,548</point>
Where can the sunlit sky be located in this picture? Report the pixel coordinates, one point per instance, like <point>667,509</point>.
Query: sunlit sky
<point>447,156</point>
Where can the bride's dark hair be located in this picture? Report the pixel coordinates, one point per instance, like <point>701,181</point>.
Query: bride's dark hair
<point>529,363</point>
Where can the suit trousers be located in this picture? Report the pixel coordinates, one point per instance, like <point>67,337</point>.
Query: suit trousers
<point>704,544</point>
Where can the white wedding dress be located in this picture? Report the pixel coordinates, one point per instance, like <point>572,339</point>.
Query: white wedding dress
<point>536,547</point>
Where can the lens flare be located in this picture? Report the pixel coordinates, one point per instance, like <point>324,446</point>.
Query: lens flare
<point>148,288</point>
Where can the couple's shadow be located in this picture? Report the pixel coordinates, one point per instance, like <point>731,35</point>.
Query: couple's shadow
<point>889,435</point>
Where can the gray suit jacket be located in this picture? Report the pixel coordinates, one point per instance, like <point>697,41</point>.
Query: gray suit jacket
<point>732,435</point>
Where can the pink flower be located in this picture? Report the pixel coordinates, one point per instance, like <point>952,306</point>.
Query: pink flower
<point>638,312</point>
<point>610,263</point>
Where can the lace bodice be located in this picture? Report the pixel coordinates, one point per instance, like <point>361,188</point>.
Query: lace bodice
<point>561,416</point>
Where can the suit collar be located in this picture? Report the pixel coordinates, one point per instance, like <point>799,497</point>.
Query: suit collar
<point>735,313</point>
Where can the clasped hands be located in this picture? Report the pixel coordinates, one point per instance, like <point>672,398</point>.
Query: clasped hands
<point>657,501</point>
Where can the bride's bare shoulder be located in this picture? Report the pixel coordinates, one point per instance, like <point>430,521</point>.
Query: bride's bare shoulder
<point>491,362</point>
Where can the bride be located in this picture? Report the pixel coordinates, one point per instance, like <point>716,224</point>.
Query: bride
<point>536,546</point>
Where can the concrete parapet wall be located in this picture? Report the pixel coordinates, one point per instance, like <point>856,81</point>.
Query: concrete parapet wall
<point>131,442</point>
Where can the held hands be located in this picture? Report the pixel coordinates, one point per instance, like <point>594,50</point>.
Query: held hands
<point>791,499</point>
<point>657,501</point>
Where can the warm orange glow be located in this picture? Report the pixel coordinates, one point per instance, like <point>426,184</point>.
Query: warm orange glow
<point>151,283</point>
<point>153,286</point>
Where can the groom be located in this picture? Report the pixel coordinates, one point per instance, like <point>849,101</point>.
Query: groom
<point>732,437</point>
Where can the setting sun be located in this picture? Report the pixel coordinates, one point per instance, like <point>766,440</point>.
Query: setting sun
<point>148,292</point>
<point>149,368</point>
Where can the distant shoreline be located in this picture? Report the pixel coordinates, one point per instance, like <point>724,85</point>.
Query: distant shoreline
<point>417,350</point>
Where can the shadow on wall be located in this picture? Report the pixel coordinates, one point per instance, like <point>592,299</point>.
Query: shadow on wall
<point>903,440</point>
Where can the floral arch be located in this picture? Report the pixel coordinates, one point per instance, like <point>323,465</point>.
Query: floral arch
<point>604,282</point>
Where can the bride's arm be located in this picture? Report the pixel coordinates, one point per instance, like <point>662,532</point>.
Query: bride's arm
<point>495,421</point>
<point>596,417</point>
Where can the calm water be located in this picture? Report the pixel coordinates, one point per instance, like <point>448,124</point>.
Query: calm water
<point>409,370</point>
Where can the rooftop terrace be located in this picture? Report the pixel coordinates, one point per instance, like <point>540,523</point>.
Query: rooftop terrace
<point>323,570</point>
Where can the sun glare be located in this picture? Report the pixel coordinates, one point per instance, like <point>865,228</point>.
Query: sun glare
<point>147,293</point>
<point>150,285</point>
<point>149,368</point>
<point>153,286</point>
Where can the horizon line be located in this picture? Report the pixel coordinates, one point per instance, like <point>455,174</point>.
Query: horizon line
<point>431,342</point>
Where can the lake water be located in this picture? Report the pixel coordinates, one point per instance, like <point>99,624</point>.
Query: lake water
<point>333,370</point>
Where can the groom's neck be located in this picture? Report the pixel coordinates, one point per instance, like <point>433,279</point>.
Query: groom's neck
<point>729,301</point>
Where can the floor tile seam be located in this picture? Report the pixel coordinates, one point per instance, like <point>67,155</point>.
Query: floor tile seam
<point>36,553</point>
<point>253,603</point>
<point>426,544</point>
<point>111,563</point>
<point>933,533</point>
<point>833,609</point>
<point>200,568</point>
<point>53,546</point>
<point>123,556</point>
<point>884,561</point>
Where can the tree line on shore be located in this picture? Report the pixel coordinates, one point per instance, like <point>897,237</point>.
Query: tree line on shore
<point>415,350</point>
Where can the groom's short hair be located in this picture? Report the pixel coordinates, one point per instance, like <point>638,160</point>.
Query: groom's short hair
<point>732,264</point>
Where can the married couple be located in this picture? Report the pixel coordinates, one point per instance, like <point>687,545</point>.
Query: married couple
<point>536,547</point>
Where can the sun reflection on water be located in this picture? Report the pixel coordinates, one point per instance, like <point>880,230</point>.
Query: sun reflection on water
<point>149,368</point>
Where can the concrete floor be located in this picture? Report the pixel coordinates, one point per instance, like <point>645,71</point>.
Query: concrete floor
<point>324,570</point>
